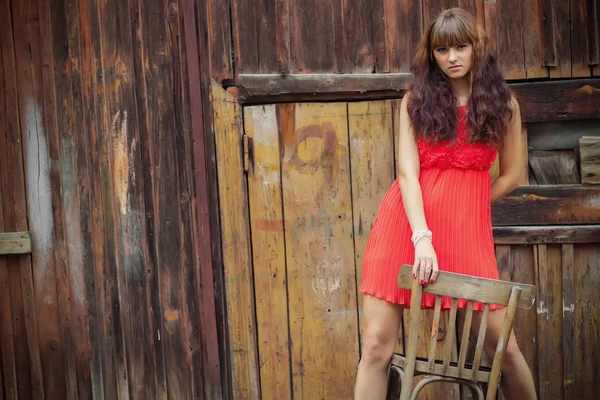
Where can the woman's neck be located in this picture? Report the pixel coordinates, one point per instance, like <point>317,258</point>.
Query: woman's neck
<point>461,88</point>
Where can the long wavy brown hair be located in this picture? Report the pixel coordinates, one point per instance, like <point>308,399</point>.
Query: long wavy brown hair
<point>432,105</point>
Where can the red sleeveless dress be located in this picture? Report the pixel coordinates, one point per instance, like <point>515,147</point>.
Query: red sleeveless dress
<point>455,183</point>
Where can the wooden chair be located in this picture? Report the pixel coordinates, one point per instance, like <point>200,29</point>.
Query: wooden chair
<point>457,286</point>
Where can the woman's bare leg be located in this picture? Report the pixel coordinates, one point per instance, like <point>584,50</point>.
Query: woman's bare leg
<point>517,381</point>
<point>382,324</point>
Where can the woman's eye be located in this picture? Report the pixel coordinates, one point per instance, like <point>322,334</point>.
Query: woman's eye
<point>461,46</point>
<point>440,49</point>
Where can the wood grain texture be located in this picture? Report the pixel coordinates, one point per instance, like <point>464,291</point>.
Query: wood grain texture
<point>548,204</point>
<point>554,167</point>
<point>268,250</point>
<point>15,243</point>
<point>581,44</point>
<point>28,366</point>
<point>548,16</point>
<point>403,25</point>
<point>587,304</point>
<point>312,40</point>
<point>546,234</point>
<point>236,246</point>
<point>568,320</point>
<point>219,31</point>
<point>353,36</point>
<point>558,100</point>
<point>371,130</point>
<point>532,40</point>
<point>509,40</point>
<point>319,249</point>
<point>589,151</point>
<point>592,20</point>
<point>562,39</point>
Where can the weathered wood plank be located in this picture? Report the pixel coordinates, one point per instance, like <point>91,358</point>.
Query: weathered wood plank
<point>372,165</point>
<point>562,39</point>
<point>556,101</point>
<point>7,344</point>
<point>546,10</point>
<point>554,167</point>
<point>532,40</point>
<point>491,26</point>
<point>589,151</point>
<point>15,243</point>
<point>312,42</point>
<point>319,249</point>
<point>548,205</point>
<point>236,246</point>
<point>522,269</point>
<point>546,234</point>
<point>579,52</point>
<point>219,32</point>
<point>253,85</point>
<point>353,36</point>
<point>245,41</point>
<point>210,283</point>
<point>380,36</point>
<point>592,19</point>
<point>568,320</point>
<point>18,89</point>
<point>587,320</point>
<point>561,135</point>
<point>510,38</point>
<point>268,250</point>
<point>543,329</point>
<point>403,25</point>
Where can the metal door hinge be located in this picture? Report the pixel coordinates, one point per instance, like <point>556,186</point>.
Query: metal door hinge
<point>247,146</point>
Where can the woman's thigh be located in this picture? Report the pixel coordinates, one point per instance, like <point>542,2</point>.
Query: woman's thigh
<point>381,319</point>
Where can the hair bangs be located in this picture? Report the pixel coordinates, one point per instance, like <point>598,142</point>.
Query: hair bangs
<point>450,31</point>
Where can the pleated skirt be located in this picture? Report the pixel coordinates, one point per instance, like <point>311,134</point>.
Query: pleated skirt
<point>457,210</point>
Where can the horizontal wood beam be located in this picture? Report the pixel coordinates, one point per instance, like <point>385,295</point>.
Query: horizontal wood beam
<point>560,234</point>
<point>558,100</point>
<point>540,101</point>
<point>548,205</point>
<point>15,243</point>
<point>272,85</point>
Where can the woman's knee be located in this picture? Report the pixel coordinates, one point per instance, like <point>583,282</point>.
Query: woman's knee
<point>378,345</point>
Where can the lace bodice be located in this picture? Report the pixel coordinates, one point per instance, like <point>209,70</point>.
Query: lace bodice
<point>461,154</point>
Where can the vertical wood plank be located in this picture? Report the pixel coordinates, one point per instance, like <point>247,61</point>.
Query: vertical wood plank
<point>555,321</point>
<point>159,32</point>
<point>562,37</point>
<point>7,344</point>
<point>592,19</point>
<point>236,245</point>
<point>549,45</point>
<point>380,44</point>
<point>372,170</point>
<point>587,320</point>
<point>491,27</point>
<point>282,23</point>
<point>543,342</point>
<point>568,321</point>
<point>509,39</point>
<point>245,39</point>
<point>312,43</point>
<point>266,36</point>
<point>319,250</point>
<point>525,325</point>
<point>532,40</point>
<point>219,32</point>
<point>353,36</point>
<point>404,27</point>
<point>581,45</point>
<point>268,251</point>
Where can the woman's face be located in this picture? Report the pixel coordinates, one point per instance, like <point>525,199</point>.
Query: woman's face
<point>455,61</point>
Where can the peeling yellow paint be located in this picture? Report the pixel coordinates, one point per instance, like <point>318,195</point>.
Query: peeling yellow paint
<point>172,315</point>
<point>588,89</point>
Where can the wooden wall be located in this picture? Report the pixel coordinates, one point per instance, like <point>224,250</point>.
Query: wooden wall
<point>532,38</point>
<point>311,176</point>
<point>100,117</point>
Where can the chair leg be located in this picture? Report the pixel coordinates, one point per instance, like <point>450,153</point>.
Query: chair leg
<point>394,383</point>
<point>432,378</point>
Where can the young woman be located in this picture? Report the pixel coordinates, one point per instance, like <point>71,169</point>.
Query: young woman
<point>457,115</point>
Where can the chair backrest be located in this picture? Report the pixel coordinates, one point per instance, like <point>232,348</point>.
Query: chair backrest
<point>473,289</point>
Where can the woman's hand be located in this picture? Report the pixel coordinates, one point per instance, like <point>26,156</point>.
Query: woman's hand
<point>425,262</point>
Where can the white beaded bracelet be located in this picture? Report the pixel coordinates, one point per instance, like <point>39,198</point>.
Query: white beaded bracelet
<point>418,235</point>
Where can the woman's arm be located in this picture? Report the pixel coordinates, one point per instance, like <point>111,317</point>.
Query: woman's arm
<point>410,188</point>
<point>511,157</point>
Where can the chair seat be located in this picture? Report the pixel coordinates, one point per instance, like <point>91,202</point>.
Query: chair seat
<point>421,366</point>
